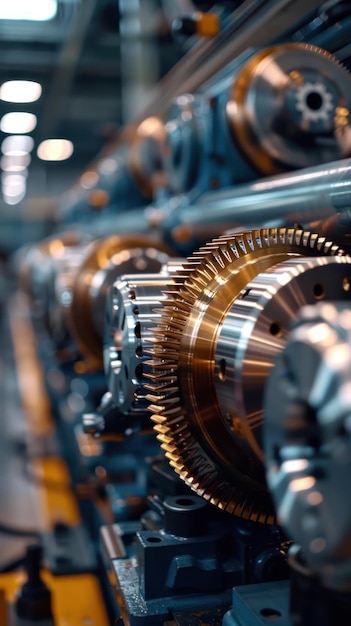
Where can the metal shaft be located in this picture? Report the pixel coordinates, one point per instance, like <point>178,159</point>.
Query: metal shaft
<point>298,197</point>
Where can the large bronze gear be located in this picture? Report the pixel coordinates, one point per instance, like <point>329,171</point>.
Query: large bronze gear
<point>219,461</point>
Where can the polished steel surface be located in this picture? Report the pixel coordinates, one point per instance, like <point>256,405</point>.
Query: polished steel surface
<point>254,332</point>
<point>307,411</point>
<point>288,199</point>
<point>180,153</point>
<point>61,285</point>
<point>289,108</point>
<point>132,312</point>
<point>185,404</point>
<point>47,275</point>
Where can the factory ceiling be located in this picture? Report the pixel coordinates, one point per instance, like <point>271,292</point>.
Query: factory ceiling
<point>98,63</point>
<point>86,60</point>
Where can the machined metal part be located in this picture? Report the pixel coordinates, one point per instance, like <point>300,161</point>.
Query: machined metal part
<point>283,200</point>
<point>307,410</point>
<point>132,312</point>
<point>61,285</point>
<point>284,107</point>
<point>255,604</point>
<point>289,107</point>
<point>47,276</point>
<point>145,154</point>
<point>222,324</point>
<point>104,261</point>
<point>252,24</point>
<point>200,558</point>
<point>181,158</point>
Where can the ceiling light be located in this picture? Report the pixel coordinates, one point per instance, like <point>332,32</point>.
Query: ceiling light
<point>40,10</point>
<point>18,122</point>
<point>55,149</point>
<point>10,199</point>
<point>16,145</point>
<point>14,186</point>
<point>20,91</point>
<point>15,163</point>
<point>13,180</point>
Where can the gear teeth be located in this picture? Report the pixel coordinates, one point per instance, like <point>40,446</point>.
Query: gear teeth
<point>162,366</point>
<point>175,426</point>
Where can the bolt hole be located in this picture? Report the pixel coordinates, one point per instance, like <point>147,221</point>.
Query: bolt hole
<point>314,101</point>
<point>346,283</point>
<point>318,291</point>
<point>154,539</point>
<point>185,501</point>
<point>222,370</point>
<point>139,352</point>
<point>270,613</point>
<point>275,329</point>
<point>137,331</point>
<point>136,310</point>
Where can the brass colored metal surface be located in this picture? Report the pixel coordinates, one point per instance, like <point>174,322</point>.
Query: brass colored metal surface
<point>144,159</point>
<point>289,108</point>
<point>184,399</point>
<point>105,260</point>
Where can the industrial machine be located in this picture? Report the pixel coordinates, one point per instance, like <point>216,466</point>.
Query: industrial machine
<point>194,338</point>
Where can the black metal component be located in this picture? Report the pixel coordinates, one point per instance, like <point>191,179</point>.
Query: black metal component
<point>165,572</point>
<point>256,605</point>
<point>185,26</point>
<point>33,604</point>
<point>184,516</point>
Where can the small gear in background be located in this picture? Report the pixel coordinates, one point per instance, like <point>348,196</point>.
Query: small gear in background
<point>314,102</point>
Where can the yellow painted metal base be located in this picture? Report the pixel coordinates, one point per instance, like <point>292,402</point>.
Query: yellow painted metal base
<point>77,599</point>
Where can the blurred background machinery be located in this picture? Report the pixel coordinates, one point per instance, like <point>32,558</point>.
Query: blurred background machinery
<point>176,356</point>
